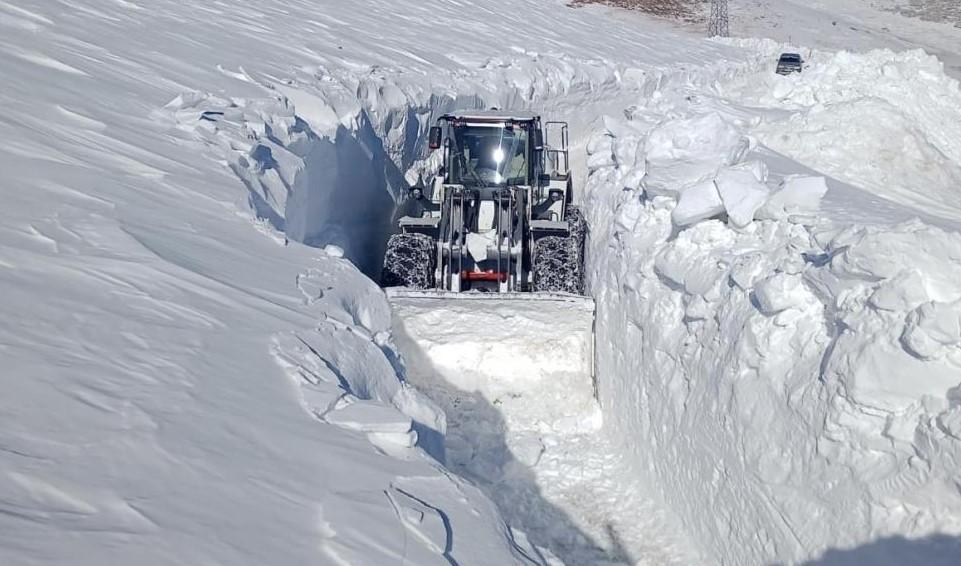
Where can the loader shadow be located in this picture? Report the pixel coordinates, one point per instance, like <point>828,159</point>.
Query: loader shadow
<point>935,550</point>
<point>476,448</point>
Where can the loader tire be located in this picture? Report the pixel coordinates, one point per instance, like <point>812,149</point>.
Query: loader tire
<point>556,267</point>
<point>578,230</point>
<point>559,260</point>
<point>409,262</point>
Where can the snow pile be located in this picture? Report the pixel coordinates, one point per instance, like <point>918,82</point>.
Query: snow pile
<point>761,361</point>
<point>906,324</point>
<point>889,122</point>
<point>707,164</point>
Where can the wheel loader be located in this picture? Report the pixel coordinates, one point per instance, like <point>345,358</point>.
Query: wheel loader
<point>497,217</point>
<point>485,275</point>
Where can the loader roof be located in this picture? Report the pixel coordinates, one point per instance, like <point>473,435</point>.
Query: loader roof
<point>492,114</point>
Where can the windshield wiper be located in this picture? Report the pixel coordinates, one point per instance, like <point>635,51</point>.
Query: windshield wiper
<point>466,166</point>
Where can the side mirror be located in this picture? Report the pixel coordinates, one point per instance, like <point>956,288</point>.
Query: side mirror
<point>538,139</point>
<point>434,138</point>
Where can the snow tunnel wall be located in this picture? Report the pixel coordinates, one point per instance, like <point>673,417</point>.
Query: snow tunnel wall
<point>326,176</point>
<point>369,140</point>
<point>789,384</point>
<point>354,174</point>
<point>346,192</point>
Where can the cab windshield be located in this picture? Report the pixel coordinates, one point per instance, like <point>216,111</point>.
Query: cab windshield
<point>490,155</point>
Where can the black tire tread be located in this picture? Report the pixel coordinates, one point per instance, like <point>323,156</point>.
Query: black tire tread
<point>559,260</point>
<point>409,262</point>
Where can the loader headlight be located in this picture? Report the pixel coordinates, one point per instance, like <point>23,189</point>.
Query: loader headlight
<point>498,155</point>
<point>416,193</point>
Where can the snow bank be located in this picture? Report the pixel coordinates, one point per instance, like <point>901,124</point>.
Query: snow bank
<point>796,377</point>
<point>727,313</point>
<point>324,153</point>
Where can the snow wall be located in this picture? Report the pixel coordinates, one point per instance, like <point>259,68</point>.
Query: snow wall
<point>788,384</point>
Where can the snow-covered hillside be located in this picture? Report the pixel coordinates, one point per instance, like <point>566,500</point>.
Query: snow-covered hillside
<point>187,382</point>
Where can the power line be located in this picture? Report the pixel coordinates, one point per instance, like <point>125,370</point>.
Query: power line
<point>719,24</point>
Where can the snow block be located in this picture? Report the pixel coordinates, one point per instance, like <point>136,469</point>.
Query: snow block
<point>697,203</point>
<point>781,292</point>
<point>797,195</point>
<point>686,152</point>
<point>902,293</point>
<point>368,416</point>
<point>742,194</point>
<point>510,350</point>
<point>933,330</point>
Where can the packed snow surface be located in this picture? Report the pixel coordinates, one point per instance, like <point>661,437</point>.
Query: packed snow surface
<point>774,259</point>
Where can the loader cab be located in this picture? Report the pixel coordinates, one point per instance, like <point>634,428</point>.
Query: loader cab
<point>490,154</point>
<point>490,149</point>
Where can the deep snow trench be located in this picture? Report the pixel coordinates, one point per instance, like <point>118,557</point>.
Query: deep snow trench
<point>775,262</point>
<point>514,378</point>
<point>529,436</point>
<point>744,300</point>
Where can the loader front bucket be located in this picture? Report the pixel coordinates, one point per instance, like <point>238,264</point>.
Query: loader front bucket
<point>509,347</point>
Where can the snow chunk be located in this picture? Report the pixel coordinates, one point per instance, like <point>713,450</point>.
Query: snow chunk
<point>747,268</point>
<point>798,195</point>
<point>742,191</point>
<point>700,202</point>
<point>883,253</point>
<point>478,244</point>
<point>902,293</point>
<point>781,292</point>
<point>334,250</point>
<point>685,152</point>
<point>600,151</point>
<point>933,330</point>
<point>879,376</point>
<point>369,416</point>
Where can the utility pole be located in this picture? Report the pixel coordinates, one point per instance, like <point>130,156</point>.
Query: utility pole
<point>719,24</point>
